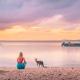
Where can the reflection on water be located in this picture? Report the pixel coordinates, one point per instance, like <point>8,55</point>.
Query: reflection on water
<point>50,52</point>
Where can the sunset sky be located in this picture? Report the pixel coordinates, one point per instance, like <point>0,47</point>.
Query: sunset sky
<point>39,19</point>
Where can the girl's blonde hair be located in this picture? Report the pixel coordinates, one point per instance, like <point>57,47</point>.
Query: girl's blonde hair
<point>20,54</point>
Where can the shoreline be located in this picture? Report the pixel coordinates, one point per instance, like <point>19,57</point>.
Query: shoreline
<point>54,73</point>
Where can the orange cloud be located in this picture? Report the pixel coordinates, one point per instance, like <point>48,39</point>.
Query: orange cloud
<point>45,30</point>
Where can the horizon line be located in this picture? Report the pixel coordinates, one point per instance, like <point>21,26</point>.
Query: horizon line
<point>36,40</point>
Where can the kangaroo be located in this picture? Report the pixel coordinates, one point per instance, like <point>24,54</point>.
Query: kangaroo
<point>39,63</point>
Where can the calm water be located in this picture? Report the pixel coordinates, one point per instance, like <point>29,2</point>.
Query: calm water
<point>50,52</point>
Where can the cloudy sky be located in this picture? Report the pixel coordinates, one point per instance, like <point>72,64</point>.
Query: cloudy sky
<point>39,19</point>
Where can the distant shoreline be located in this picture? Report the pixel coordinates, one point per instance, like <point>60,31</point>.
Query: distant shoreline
<point>38,40</point>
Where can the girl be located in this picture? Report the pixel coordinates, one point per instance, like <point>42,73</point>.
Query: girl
<point>21,62</point>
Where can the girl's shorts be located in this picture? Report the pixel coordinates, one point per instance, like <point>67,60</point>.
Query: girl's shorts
<point>21,65</point>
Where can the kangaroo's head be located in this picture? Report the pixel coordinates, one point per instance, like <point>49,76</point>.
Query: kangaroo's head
<point>35,59</point>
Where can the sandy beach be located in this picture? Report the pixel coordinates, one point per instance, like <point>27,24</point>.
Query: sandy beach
<point>41,74</point>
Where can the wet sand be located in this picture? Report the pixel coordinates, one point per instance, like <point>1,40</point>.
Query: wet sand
<point>41,74</point>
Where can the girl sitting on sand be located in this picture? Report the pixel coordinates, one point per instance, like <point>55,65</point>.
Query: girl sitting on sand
<point>21,62</point>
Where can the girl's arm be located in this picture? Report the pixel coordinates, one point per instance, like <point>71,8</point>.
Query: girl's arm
<point>17,60</point>
<point>24,60</point>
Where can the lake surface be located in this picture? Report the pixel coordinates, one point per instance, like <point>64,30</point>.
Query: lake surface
<point>51,53</point>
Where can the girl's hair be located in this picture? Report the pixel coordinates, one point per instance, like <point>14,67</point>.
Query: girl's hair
<point>20,54</point>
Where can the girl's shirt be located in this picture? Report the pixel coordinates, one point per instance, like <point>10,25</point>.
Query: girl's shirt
<point>21,60</point>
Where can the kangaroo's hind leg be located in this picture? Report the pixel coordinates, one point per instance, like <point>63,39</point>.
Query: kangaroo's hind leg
<point>42,64</point>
